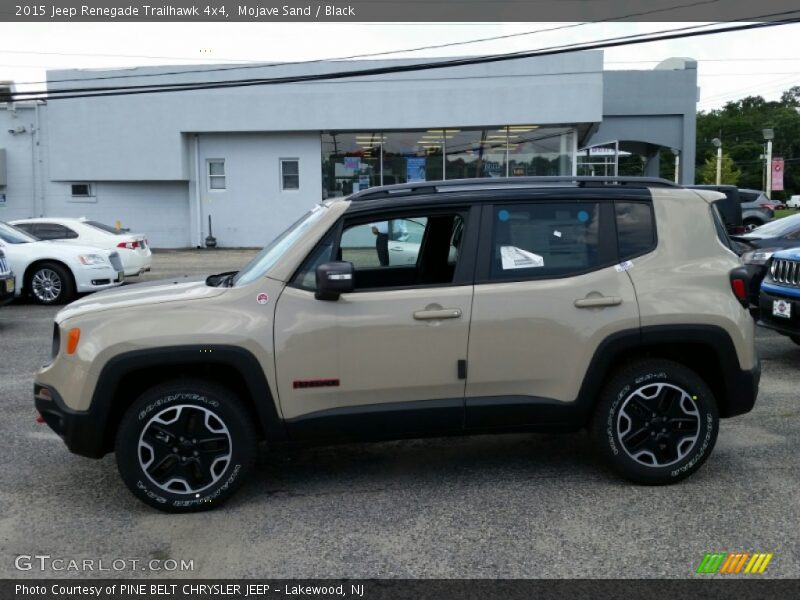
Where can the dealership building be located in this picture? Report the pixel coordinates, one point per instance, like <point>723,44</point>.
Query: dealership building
<point>255,158</point>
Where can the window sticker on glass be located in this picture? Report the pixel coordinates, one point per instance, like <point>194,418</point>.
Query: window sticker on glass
<point>624,266</point>
<point>517,258</point>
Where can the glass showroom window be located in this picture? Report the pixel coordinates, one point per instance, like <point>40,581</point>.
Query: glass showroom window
<point>356,161</point>
<point>538,151</point>
<point>290,174</point>
<point>476,153</point>
<point>410,156</point>
<point>350,162</point>
<point>216,174</point>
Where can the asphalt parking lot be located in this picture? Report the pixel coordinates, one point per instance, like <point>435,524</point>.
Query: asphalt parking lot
<point>491,506</point>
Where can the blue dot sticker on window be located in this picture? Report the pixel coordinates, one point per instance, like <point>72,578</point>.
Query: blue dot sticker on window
<point>583,216</point>
<point>503,215</point>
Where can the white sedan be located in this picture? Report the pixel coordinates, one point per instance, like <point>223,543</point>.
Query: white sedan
<point>132,247</point>
<point>54,272</point>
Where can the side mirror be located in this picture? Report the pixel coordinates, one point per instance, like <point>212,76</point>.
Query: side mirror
<point>333,279</point>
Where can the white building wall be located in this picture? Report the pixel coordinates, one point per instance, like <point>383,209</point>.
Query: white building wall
<point>140,137</point>
<point>20,159</point>
<point>160,210</point>
<point>253,209</point>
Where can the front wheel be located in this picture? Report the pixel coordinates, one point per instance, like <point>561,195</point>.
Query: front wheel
<point>50,283</point>
<point>185,446</point>
<point>656,422</point>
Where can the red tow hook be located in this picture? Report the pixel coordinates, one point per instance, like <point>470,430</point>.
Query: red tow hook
<point>39,419</point>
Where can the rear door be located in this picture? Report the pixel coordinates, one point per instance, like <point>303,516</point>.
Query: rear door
<point>549,290</point>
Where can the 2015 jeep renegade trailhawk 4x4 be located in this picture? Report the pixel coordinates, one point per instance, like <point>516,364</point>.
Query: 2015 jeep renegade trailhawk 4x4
<point>422,310</point>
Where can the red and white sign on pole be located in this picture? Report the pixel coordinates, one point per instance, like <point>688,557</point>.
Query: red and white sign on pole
<point>777,174</point>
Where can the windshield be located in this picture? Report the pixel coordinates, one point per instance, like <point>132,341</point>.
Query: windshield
<point>14,235</point>
<point>264,260</point>
<point>776,228</point>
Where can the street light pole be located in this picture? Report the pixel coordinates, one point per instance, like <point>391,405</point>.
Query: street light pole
<point>718,143</point>
<point>769,134</point>
<point>677,154</point>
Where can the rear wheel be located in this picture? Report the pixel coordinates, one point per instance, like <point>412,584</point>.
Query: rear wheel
<point>50,283</point>
<point>656,422</point>
<point>750,224</point>
<point>185,446</point>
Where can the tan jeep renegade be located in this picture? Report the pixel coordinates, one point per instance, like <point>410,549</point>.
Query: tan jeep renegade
<point>427,309</point>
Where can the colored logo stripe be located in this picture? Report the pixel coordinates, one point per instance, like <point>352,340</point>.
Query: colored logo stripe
<point>733,563</point>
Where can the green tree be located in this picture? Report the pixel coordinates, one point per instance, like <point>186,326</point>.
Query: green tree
<point>729,174</point>
<point>740,126</point>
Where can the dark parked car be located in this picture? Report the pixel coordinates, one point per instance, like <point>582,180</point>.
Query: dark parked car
<point>6,281</point>
<point>759,198</point>
<point>730,209</point>
<point>779,301</point>
<point>762,243</point>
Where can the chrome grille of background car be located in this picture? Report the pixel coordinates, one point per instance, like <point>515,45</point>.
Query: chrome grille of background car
<point>786,272</point>
<point>115,261</point>
<point>3,264</point>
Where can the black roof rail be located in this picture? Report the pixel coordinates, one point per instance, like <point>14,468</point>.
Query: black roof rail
<point>460,185</point>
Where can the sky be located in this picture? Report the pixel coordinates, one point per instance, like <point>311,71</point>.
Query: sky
<point>762,62</point>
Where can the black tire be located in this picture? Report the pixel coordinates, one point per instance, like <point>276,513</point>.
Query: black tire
<point>795,339</point>
<point>188,474</point>
<point>656,422</point>
<point>750,224</point>
<point>50,283</point>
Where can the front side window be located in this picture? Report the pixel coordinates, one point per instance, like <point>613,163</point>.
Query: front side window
<point>547,240</point>
<point>290,174</point>
<point>411,251</point>
<point>53,231</point>
<point>216,174</point>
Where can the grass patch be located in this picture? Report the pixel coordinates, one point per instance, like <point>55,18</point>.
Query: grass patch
<point>779,214</point>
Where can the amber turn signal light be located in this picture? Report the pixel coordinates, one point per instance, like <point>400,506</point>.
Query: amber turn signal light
<point>73,338</point>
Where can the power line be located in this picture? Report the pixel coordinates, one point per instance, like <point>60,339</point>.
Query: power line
<point>768,86</point>
<point>367,55</point>
<point>611,42</point>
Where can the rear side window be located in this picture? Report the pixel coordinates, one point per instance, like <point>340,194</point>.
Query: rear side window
<point>53,231</point>
<point>636,232</point>
<point>548,240</point>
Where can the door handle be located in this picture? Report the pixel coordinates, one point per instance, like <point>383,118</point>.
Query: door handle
<point>441,313</point>
<point>598,302</point>
<point>396,248</point>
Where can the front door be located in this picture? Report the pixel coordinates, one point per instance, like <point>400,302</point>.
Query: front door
<point>387,359</point>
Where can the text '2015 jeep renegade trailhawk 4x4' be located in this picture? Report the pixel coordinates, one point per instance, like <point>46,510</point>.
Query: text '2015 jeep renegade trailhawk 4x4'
<point>422,310</point>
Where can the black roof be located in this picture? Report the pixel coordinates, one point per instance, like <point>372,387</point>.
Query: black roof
<point>505,183</point>
<point>505,188</point>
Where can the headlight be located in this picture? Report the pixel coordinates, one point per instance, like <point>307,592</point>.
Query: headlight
<point>758,257</point>
<point>92,259</point>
